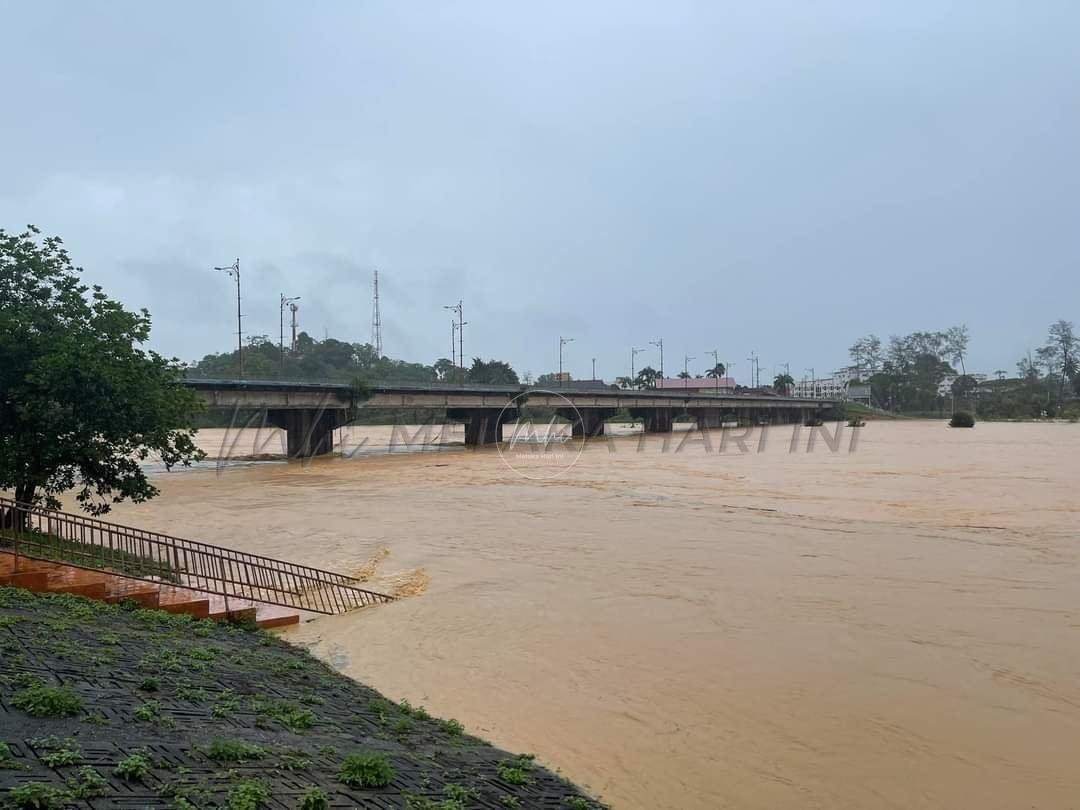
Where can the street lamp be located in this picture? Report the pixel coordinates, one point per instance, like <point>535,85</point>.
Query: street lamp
<point>281,326</point>
<point>686,369</point>
<point>461,339</point>
<point>234,271</point>
<point>633,355</point>
<point>659,342</point>
<point>562,342</point>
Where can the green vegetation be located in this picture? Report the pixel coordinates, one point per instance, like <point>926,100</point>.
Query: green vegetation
<point>367,769</point>
<point>135,767</point>
<point>272,691</point>
<point>36,796</point>
<point>962,419</point>
<point>48,701</point>
<point>83,401</point>
<point>87,784</point>
<point>247,794</point>
<point>235,751</point>
<point>50,547</point>
<point>314,798</point>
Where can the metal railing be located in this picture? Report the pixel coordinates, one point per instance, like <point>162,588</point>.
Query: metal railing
<point>86,542</point>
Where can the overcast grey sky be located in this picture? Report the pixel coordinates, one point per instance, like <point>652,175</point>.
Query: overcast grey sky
<point>771,176</point>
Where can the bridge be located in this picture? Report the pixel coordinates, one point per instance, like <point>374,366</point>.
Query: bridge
<point>309,412</point>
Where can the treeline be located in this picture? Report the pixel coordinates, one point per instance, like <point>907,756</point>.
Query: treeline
<point>906,375</point>
<point>332,360</point>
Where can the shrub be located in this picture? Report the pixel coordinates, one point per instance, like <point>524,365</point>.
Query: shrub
<point>48,701</point>
<point>234,751</point>
<point>135,766</point>
<point>36,796</point>
<point>314,798</point>
<point>366,769</point>
<point>247,794</point>
<point>89,784</point>
<point>962,419</point>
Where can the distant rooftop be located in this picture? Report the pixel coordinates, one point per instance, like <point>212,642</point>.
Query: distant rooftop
<point>696,383</point>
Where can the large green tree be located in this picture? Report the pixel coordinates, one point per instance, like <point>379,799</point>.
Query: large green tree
<point>82,402</point>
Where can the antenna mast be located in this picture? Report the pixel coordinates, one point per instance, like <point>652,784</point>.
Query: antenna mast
<point>376,321</point>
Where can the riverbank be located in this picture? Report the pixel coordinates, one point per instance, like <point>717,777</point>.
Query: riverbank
<point>679,626</point>
<point>140,707</point>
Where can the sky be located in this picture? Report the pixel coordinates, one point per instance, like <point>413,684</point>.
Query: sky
<point>776,178</point>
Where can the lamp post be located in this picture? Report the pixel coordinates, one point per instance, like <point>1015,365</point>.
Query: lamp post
<point>659,342</point>
<point>686,369</point>
<point>281,326</point>
<point>461,338</point>
<point>234,271</point>
<point>594,368</point>
<point>562,342</point>
<point>633,355</point>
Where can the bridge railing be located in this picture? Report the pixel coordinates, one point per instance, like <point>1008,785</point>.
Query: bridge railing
<point>87,542</point>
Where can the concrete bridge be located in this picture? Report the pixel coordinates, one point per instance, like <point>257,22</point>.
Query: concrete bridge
<point>309,412</point>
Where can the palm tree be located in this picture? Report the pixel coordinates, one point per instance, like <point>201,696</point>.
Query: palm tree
<point>716,371</point>
<point>684,375</point>
<point>783,383</point>
<point>647,377</point>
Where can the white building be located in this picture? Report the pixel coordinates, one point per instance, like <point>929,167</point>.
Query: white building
<point>834,386</point>
<point>944,388</point>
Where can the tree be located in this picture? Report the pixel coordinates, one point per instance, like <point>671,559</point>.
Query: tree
<point>646,378</point>
<point>684,375</point>
<point>493,372</point>
<point>716,371</point>
<point>964,386</point>
<point>624,382</point>
<point>1058,356</point>
<point>783,383</point>
<point>956,343</point>
<point>866,354</point>
<point>81,401</point>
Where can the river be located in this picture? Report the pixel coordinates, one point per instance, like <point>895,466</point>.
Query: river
<point>892,625</point>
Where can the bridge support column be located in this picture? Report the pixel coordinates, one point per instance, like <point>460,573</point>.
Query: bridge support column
<point>708,418</point>
<point>482,425</point>
<point>586,422</point>
<point>655,420</point>
<point>308,432</point>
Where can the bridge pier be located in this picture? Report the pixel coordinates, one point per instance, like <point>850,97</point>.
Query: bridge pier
<point>482,425</point>
<point>308,432</point>
<point>587,422</point>
<point>708,417</point>
<point>654,420</point>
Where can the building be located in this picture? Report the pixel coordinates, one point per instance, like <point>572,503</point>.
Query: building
<point>725,385</point>
<point>834,386</point>
<point>945,386</point>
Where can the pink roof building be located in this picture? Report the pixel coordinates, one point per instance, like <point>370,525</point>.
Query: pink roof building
<point>697,384</point>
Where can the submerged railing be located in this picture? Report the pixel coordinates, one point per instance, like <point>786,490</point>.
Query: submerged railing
<point>98,545</point>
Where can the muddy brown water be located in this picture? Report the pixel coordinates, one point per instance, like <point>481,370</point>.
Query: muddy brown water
<point>893,627</point>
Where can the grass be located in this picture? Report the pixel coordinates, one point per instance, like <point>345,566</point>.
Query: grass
<point>222,750</point>
<point>48,701</point>
<point>247,728</point>
<point>366,769</point>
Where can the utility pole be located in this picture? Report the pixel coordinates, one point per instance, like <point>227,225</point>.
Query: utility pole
<point>281,326</point>
<point>461,338</point>
<point>660,344</point>
<point>376,321</point>
<point>234,271</point>
<point>686,369</point>
<point>453,342</point>
<point>716,361</point>
<point>754,369</point>
<point>594,368</point>
<point>562,342</point>
<point>633,355</point>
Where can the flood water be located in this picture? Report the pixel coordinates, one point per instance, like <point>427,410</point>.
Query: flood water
<point>893,627</point>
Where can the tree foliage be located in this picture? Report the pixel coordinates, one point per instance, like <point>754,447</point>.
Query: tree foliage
<point>82,403</point>
<point>646,378</point>
<point>716,371</point>
<point>783,383</point>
